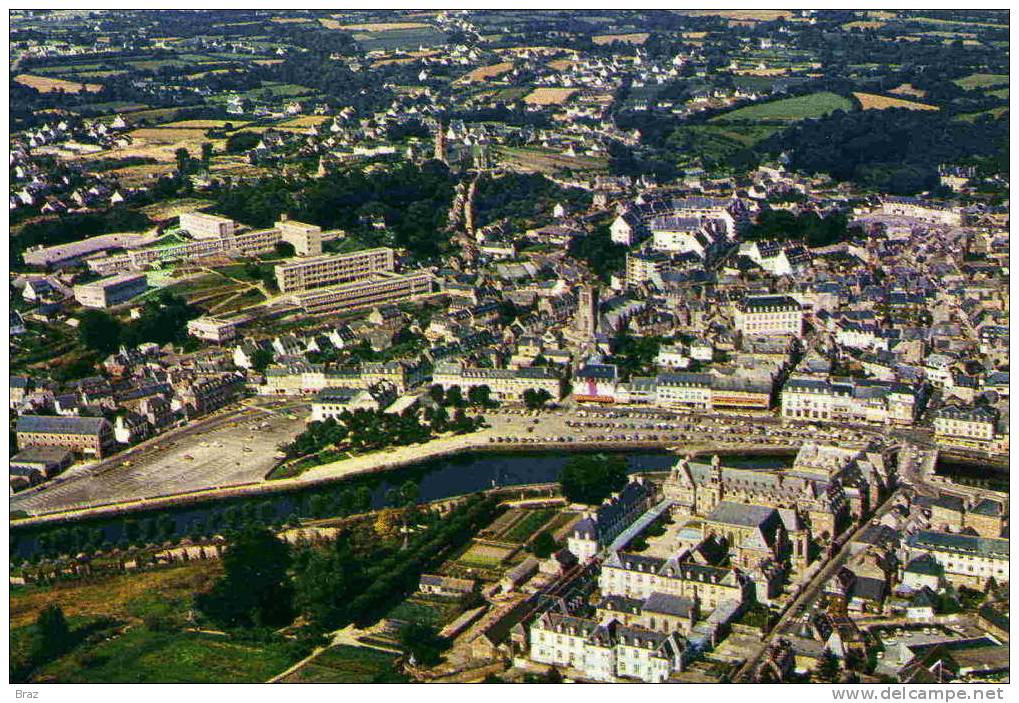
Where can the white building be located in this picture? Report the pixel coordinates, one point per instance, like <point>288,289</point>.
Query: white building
<point>769,315</point>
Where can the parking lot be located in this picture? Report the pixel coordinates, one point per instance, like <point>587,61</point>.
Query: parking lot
<point>236,452</point>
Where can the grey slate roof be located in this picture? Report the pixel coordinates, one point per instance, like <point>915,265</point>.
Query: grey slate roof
<point>61,425</point>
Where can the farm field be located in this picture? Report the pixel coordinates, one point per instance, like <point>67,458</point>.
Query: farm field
<point>484,556</point>
<point>347,664</point>
<point>372,26</point>
<point>530,524</point>
<point>910,90</point>
<point>635,38</point>
<point>981,80</point>
<point>48,85</point>
<point>549,96</point>
<point>544,161</point>
<point>751,15</point>
<point>869,101</point>
<point>123,596</point>
<point>485,72</point>
<point>790,109</point>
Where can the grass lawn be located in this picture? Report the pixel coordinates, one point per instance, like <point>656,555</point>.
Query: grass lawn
<point>790,109</point>
<point>346,664</point>
<point>142,656</point>
<point>432,612</point>
<point>531,523</point>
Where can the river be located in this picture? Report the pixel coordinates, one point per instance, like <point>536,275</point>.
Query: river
<point>437,479</point>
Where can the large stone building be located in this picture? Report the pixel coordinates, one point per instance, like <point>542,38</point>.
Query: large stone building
<point>967,560</point>
<point>86,436</point>
<point>696,488</point>
<point>202,226</point>
<point>599,527</point>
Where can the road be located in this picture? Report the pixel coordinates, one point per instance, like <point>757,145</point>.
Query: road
<point>809,594</point>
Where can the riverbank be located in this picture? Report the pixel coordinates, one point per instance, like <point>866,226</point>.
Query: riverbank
<point>379,463</point>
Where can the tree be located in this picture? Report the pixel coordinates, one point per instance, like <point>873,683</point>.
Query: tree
<point>480,396</point>
<point>206,154</point>
<point>544,545</point>
<point>828,668</point>
<point>239,142</point>
<point>285,249</point>
<point>535,399</point>
<point>52,636</point>
<point>387,523</point>
<point>591,479</point>
<point>437,394</point>
<point>261,359</point>
<point>254,589</point>
<point>423,643</point>
<point>100,331</point>
<point>454,397</point>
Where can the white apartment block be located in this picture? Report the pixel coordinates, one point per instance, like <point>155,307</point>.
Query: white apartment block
<point>306,239</point>
<point>202,226</point>
<point>320,271</point>
<point>849,401</point>
<point>380,289</point>
<point>967,559</point>
<point>958,423</point>
<point>923,210</point>
<point>769,315</point>
<point>111,291</point>
<point>508,384</point>
<point>607,652</point>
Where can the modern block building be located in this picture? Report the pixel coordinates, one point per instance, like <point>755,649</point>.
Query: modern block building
<point>202,226</point>
<point>213,329</point>
<point>379,289</point>
<point>111,291</point>
<point>320,271</point>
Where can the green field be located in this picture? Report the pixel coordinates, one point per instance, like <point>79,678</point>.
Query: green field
<point>981,80</point>
<point>142,656</point>
<point>346,664</point>
<point>996,112</point>
<point>419,609</point>
<point>790,109</point>
<point>532,522</point>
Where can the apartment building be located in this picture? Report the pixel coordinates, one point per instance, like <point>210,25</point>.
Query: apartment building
<point>963,425</point>
<point>704,391</point>
<point>306,239</point>
<point>301,377</point>
<point>638,576</point>
<point>849,400</point>
<point>88,436</point>
<point>923,210</point>
<point>967,560</point>
<point>598,528</point>
<point>111,291</point>
<point>202,226</point>
<point>505,384</point>
<point>769,315</point>
<point>606,651</point>
<point>380,289</point>
<point>298,275</point>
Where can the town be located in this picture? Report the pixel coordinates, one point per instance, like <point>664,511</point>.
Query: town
<point>504,346</point>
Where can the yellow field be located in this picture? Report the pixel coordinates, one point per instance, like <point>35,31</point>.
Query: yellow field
<point>290,20</point>
<point>306,121</point>
<point>410,58</point>
<point>869,101</point>
<point>561,64</point>
<point>48,85</point>
<point>169,209</point>
<point>201,124</point>
<point>372,26</point>
<point>267,62</point>
<point>637,38</point>
<point>753,15</point>
<point>549,96</point>
<point>167,135</point>
<point>910,90</point>
<point>864,24</point>
<point>485,72</point>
